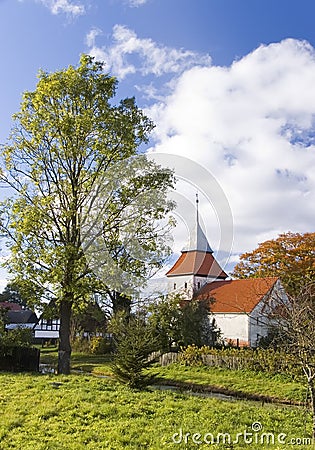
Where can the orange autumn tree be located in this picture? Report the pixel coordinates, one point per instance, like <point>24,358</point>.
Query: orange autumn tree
<point>291,257</point>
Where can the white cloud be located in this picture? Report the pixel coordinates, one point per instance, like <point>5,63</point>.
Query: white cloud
<point>64,6</point>
<point>136,3</point>
<point>151,58</point>
<point>91,36</point>
<point>252,125</point>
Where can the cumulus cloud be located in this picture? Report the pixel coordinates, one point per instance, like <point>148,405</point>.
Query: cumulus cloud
<point>64,6</point>
<point>252,125</point>
<point>130,54</point>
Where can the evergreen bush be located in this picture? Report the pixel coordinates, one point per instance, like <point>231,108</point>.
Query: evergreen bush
<point>134,342</point>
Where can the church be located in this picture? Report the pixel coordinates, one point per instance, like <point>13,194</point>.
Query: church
<point>242,309</point>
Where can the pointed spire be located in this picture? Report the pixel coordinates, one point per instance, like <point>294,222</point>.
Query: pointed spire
<point>197,257</point>
<point>197,239</point>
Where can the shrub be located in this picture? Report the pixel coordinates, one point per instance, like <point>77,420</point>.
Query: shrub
<point>99,345</point>
<point>260,360</point>
<point>80,345</point>
<point>134,341</point>
<point>19,337</point>
<point>191,356</point>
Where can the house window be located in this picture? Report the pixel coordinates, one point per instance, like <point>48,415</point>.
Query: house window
<point>185,285</point>
<point>174,285</point>
<point>198,284</point>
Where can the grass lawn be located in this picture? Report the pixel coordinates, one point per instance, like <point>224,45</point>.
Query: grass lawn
<point>97,364</point>
<point>247,381</point>
<point>83,411</point>
<point>281,387</point>
<point>43,412</point>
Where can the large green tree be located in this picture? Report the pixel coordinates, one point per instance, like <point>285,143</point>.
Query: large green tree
<point>85,210</point>
<point>177,322</point>
<point>291,257</point>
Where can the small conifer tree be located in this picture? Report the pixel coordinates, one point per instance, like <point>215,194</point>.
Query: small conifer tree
<point>134,342</point>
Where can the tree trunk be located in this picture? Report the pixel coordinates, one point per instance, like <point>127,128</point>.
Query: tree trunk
<point>64,350</point>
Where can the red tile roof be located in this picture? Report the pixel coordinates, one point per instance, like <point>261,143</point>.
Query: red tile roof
<point>10,306</point>
<point>236,296</point>
<point>197,263</point>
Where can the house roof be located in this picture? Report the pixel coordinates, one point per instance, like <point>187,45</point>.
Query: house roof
<point>197,257</point>
<point>22,317</point>
<point>236,296</point>
<point>197,263</point>
<point>10,306</point>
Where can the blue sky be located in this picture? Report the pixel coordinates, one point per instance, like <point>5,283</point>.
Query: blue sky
<point>229,84</point>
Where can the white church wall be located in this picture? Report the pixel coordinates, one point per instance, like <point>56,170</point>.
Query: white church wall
<point>258,325</point>
<point>257,329</point>
<point>182,284</point>
<point>187,284</point>
<point>233,327</point>
<point>260,322</point>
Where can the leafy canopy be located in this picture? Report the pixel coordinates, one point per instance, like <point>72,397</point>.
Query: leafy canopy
<point>65,153</point>
<point>82,192</point>
<point>291,257</point>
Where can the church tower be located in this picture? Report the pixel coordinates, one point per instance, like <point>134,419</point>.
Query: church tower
<point>196,265</point>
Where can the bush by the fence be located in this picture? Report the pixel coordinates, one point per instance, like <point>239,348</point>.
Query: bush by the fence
<point>19,359</point>
<point>99,345</point>
<point>260,360</point>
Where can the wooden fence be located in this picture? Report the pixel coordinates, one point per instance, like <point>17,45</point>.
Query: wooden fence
<point>19,359</point>
<point>224,361</point>
<point>262,361</point>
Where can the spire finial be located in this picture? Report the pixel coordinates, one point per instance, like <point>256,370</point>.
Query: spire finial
<point>197,206</point>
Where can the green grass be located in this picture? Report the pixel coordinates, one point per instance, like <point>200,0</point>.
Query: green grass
<point>97,364</point>
<point>278,386</point>
<point>281,387</point>
<point>43,412</point>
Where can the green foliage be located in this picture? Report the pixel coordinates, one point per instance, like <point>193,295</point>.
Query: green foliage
<point>12,293</point>
<point>164,318</point>
<point>99,345</point>
<point>268,361</point>
<point>19,337</point>
<point>88,318</point>
<point>68,145</point>
<point>70,159</point>
<point>96,345</point>
<point>177,322</point>
<point>248,381</point>
<point>192,355</point>
<point>81,345</point>
<point>195,324</point>
<point>134,342</point>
